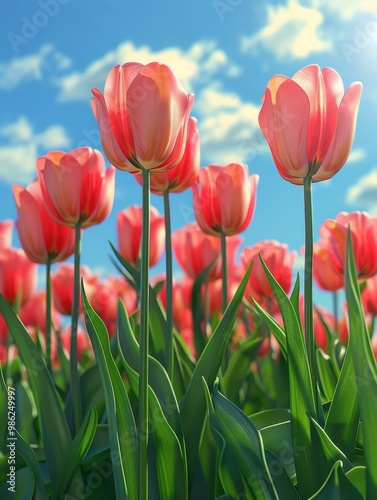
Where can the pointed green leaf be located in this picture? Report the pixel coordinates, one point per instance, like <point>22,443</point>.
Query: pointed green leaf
<point>274,327</point>
<point>337,486</point>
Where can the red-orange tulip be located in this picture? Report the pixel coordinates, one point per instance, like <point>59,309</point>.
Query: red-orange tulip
<point>309,122</point>
<point>142,117</point>
<point>364,239</point>
<point>369,296</point>
<point>76,186</point>
<point>6,227</point>
<point>224,198</point>
<point>40,236</point>
<point>325,275</point>
<point>18,275</point>
<point>129,228</point>
<point>279,261</point>
<point>195,250</point>
<point>33,313</point>
<point>183,175</point>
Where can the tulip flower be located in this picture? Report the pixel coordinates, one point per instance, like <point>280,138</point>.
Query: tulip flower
<point>18,276</point>
<point>309,123</point>
<point>325,275</point>
<point>33,313</point>
<point>363,229</point>
<point>129,228</point>
<point>40,236</point>
<point>62,286</point>
<point>279,261</point>
<point>195,250</point>
<point>224,199</point>
<point>142,117</point>
<point>6,227</point>
<point>83,341</point>
<point>369,296</point>
<point>76,187</point>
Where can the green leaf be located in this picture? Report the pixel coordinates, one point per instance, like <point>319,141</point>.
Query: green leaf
<point>239,367</point>
<point>55,431</point>
<point>327,377</point>
<point>25,485</point>
<point>337,486</point>
<point>358,478</point>
<point>343,417</point>
<point>301,392</point>
<point>246,444</point>
<point>267,418</point>
<point>365,370</point>
<point>193,406</point>
<point>167,434</point>
<point>280,477</point>
<point>122,427</point>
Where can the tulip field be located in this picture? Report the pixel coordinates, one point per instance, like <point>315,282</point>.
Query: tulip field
<point>223,380</point>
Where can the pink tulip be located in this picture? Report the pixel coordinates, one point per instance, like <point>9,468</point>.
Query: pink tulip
<point>33,313</point>
<point>369,296</point>
<point>76,187</point>
<point>6,227</point>
<point>184,174</point>
<point>325,275</point>
<point>62,286</point>
<point>40,236</point>
<point>224,198</point>
<point>83,341</point>
<point>195,250</point>
<point>278,260</point>
<point>129,226</point>
<point>142,117</point>
<point>309,123</point>
<point>364,239</point>
<point>18,276</point>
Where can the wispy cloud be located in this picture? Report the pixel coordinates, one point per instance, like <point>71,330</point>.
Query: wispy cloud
<point>24,69</point>
<point>346,8</point>
<point>363,195</point>
<point>292,31</point>
<point>196,65</point>
<point>356,155</point>
<point>20,145</point>
<point>228,126</point>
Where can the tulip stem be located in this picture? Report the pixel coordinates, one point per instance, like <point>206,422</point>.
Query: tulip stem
<point>335,309</point>
<point>308,284</point>
<point>169,287</point>
<point>48,314</point>
<point>224,272</point>
<point>144,342</point>
<point>75,387</point>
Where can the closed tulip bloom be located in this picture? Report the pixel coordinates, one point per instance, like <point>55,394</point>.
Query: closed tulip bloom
<point>129,229</point>
<point>195,250</point>
<point>33,313</point>
<point>40,236</point>
<point>6,227</point>
<point>142,117</point>
<point>279,261</point>
<point>184,174</point>
<point>325,275</point>
<point>76,187</point>
<point>309,122</point>
<point>62,286</point>
<point>369,296</point>
<point>224,198</point>
<point>18,275</point>
<point>364,239</point>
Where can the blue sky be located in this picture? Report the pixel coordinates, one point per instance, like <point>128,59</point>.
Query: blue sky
<point>53,52</point>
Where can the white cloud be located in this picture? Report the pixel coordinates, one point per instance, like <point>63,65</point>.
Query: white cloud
<point>356,155</point>
<point>364,193</point>
<point>195,65</point>
<point>292,31</point>
<point>346,8</point>
<point>31,67</point>
<point>228,127</point>
<point>20,146</point>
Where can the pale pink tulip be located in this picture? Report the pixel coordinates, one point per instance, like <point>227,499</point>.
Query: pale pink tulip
<point>142,117</point>
<point>224,198</point>
<point>77,188</point>
<point>309,122</point>
<point>6,227</point>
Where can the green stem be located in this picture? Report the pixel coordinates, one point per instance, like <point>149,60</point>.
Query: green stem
<point>169,287</point>
<point>335,311</point>
<point>48,314</point>
<point>75,387</point>
<point>224,272</point>
<point>308,283</point>
<point>144,343</point>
